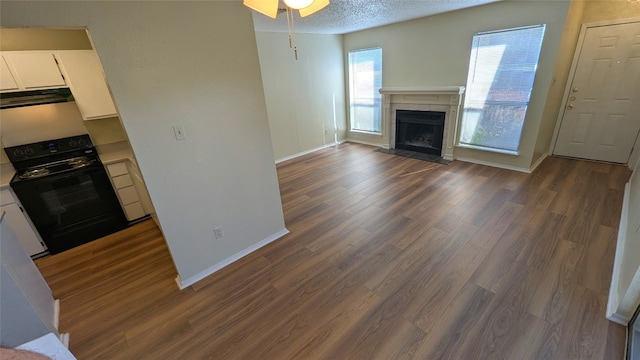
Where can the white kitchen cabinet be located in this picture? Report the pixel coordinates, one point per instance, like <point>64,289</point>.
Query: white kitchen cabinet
<point>7,82</point>
<point>86,80</point>
<point>126,191</point>
<point>33,70</point>
<point>20,224</point>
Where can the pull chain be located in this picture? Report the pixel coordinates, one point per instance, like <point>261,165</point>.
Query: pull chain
<point>291,27</point>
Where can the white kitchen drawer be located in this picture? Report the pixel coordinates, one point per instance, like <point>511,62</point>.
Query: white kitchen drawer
<point>117,169</point>
<point>134,211</point>
<point>6,197</point>
<point>122,181</point>
<point>128,195</point>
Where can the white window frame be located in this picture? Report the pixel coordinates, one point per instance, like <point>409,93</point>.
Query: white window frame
<point>477,95</point>
<point>375,103</point>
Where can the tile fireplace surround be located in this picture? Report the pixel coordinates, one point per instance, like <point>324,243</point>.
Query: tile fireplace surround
<point>446,99</point>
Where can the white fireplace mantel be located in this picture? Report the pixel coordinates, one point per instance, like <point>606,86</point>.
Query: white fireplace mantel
<point>446,99</point>
<point>423,90</point>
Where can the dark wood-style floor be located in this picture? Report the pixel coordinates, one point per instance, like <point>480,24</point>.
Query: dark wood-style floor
<point>388,258</point>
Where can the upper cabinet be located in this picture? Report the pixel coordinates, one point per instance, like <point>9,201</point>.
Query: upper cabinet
<point>86,80</point>
<point>28,70</point>
<point>6,79</point>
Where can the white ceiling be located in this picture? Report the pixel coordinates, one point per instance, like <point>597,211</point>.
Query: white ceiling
<point>345,16</point>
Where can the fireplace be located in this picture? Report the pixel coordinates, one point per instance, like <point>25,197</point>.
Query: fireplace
<point>445,101</point>
<point>420,131</point>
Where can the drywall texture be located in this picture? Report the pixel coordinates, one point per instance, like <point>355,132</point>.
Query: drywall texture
<point>193,64</point>
<point>305,97</point>
<point>435,51</point>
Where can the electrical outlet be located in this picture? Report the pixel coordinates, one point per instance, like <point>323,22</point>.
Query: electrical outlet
<point>218,233</point>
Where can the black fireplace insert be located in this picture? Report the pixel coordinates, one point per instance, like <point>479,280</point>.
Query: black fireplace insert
<point>420,131</point>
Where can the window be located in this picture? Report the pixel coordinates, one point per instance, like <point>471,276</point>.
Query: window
<point>365,81</point>
<point>501,71</point>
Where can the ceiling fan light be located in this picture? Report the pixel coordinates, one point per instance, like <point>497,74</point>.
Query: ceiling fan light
<point>266,7</point>
<point>315,6</point>
<point>298,4</point>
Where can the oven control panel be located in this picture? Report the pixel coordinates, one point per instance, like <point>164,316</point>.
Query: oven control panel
<point>44,148</point>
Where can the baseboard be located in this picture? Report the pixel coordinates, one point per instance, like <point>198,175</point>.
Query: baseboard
<point>56,313</point>
<point>64,339</point>
<point>614,301</point>
<point>307,152</point>
<point>537,163</point>
<point>618,319</point>
<point>185,283</point>
<point>498,165</point>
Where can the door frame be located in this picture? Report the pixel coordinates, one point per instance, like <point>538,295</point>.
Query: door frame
<point>567,89</point>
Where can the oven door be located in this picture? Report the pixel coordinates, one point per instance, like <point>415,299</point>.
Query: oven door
<point>72,208</point>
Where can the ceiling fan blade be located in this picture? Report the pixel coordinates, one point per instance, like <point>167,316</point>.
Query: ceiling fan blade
<point>266,7</point>
<point>315,6</point>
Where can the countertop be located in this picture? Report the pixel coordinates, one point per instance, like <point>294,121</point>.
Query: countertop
<point>115,152</point>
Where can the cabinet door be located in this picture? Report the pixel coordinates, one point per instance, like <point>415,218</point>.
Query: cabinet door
<point>88,85</point>
<point>23,230</point>
<point>35,70</point>
<point>6,79</point>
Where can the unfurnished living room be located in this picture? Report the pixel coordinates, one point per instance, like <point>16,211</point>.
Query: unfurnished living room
<point>348,180</point>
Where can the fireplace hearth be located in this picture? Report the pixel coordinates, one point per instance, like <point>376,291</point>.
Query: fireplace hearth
<point>420,131</point>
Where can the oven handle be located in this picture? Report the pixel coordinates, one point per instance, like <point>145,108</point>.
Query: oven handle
<point>93,168</point>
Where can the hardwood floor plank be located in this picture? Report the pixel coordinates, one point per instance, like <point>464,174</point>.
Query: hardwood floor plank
<point>453,327</point>
<point>597,261</point>
<point>502,258</point>
<point>584,333</point>
<point>387,258</point>
<point>495,226</point>
<point>442,290</point>
<point>552,297</point>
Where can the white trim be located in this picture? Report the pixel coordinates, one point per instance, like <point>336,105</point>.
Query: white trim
<point>488,149</point>
<point>367,143</point>
<point>498,165</point>
<point>451,90</point>
<point>64,339</point>
<point>614,301</point>
<point>183,284</point>
<point>307,152</point>
<point>56,313</point>
<point>537,163</point>
<point>572,71</point>
<point>617,319</point>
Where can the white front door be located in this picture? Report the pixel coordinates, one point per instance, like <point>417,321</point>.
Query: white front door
<point>601,118</point>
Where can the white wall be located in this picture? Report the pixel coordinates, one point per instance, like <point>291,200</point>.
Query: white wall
<point>624,295</point>
<point>435,51</point>
<point>194,64</point>
<point>303,96</point>
<point>27,309</point>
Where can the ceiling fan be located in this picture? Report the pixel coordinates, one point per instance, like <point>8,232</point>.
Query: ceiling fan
<point>270,7</point>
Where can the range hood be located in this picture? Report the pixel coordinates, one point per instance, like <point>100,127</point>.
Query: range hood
<point>34,97</point>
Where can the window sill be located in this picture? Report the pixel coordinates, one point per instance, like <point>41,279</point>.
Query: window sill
<point>488,149</point>
<point>365,132</point>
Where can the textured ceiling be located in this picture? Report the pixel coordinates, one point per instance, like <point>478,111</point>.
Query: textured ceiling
<point>345,16</point>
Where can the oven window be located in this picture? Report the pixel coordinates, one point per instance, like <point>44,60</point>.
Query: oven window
<point>70,194</point>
